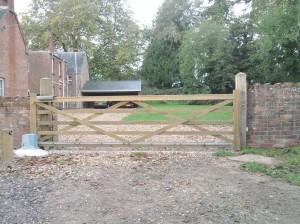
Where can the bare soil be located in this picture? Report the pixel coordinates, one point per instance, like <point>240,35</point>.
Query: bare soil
<point>141,188</point>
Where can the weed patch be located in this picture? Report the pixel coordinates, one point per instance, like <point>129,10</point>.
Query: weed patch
<point>139,155</point>
<point>224,154</point>
<point>288,170</point>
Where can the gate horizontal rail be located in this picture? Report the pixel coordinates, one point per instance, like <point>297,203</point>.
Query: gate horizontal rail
<point>110,144</point>
<point>142,98</point>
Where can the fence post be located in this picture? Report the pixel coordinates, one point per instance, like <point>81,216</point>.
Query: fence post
<point>6,148</point>
<point>241,97</point>
<point>46,89</point>
<point>33,114</point>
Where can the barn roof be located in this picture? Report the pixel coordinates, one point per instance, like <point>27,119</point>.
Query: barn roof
<point>3,10</point>
<point>76,61</point>
<point>112,86</point>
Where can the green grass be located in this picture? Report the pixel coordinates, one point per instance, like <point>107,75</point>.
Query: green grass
<point>224,154</point>
<point>139,116</point>
<point>288,170</point>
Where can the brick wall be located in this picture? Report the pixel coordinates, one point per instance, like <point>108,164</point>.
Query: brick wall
<point>14,114</point>
<point>273,115</point>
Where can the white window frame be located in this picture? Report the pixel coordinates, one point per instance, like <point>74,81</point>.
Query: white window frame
<point>2,85</point>
<point>59,69</point>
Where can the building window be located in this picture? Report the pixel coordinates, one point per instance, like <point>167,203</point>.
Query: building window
<point>59,69</point>
<point>1,87</point>
<point>53,73</point>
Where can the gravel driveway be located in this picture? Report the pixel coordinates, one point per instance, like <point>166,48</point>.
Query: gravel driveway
<point>141,188</point>
<point>133,187</point>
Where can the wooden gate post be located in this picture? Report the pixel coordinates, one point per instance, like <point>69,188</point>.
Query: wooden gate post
<point>46,89</point>
<point>240,111</point>
<point>33,114</point>
<point>6,146</point>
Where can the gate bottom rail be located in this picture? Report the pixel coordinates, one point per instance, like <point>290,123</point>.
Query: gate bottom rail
<point>135,144</point>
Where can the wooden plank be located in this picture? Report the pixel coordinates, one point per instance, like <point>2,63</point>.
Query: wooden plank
<point>6,153</point>
<point>147,144</point>
<point>176,123</point>
<point>202,132</point>
<point>241,85</point>
<point>144,98</point>
<point>85,123</point>
<point>237,130</point>
<point>46,89</point>
<point>229,122</point>
<point>135,110</point>
<point>33,114</point>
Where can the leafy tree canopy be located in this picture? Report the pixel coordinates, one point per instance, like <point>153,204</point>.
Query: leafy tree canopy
<point>278,39</point>
<point>206,59</point>
<point>102,28</point>
<point>161,65</point>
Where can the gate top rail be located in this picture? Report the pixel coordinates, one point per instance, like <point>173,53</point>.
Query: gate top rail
<point>142,98</point>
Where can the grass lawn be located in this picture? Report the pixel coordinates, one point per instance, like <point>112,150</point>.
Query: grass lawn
<point>288,170</point>
<point>139,116</point>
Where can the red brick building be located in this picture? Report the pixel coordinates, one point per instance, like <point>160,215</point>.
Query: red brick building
<point>13,53</point>
<point>78,71</point>
<point>44,64</point>
<point>21,71</point>
<point>68,71</point>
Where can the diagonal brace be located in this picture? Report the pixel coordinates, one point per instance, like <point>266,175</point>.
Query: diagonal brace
<point>180,122</point>
<point>82,122</point>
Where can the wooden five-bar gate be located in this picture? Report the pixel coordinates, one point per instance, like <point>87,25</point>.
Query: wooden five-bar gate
<point>51,122</point>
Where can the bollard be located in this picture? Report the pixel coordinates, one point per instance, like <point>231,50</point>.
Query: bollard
<point>6,145</point>
<point>30,147</point>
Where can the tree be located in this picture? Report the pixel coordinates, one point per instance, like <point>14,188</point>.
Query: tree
<point>278,39</point>
<point>118,55</point>
<point>161,66</point>
<point>205,59</point>
<point>219,11</point>
<point>73,29</point>
<point>242,38</point>
<point>102,28</point>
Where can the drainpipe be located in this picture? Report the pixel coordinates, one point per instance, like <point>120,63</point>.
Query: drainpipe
<point>67,85</point>
<point>52,68</point>
<point>76,84</point>
<point>63,78</point>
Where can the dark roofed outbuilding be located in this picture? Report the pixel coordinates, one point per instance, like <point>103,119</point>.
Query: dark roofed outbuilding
<point>112,88</point>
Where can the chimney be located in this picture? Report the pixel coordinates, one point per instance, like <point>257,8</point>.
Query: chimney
<point>9,3</point>
<point>51,43</point>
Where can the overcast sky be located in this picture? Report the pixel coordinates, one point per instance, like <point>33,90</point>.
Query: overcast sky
<point>144,10</point>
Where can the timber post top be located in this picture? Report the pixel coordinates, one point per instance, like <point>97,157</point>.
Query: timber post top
<point>9,3</point>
